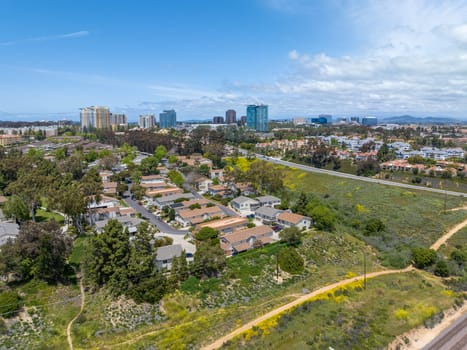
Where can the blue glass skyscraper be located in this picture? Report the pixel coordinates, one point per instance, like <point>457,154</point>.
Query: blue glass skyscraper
<point>257,117</point>
<point>168,119</point>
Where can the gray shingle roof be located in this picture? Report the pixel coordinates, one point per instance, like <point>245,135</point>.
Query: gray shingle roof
<point>268,211</point>
<point>243,199</point>
<point>168,252</point>
<point>268,199</point>
<point>8,230</point>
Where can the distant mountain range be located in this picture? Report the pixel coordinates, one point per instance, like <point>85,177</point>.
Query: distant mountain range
<point>408,119</point>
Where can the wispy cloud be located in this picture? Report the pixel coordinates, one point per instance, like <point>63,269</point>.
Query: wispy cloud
<point>79,34</point>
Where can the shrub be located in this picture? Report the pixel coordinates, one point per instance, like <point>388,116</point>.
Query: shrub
<point>423,257</point>
<point>441,269</point>
<point>290,261</point>
<point>374,226</point>
<point>10,303</point>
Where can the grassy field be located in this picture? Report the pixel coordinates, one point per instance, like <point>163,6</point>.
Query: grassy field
<point>206,309</point>
<point>42,323</point>
<point>412,218</point>
<point>44,216</point>
<point>353,318</point>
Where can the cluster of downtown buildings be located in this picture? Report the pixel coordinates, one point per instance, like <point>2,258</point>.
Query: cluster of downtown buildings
<point>97,117</point>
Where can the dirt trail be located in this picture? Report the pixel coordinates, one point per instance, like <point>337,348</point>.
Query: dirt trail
<point>448,235</point>
<point>68,328</point>
<point>219,342</point>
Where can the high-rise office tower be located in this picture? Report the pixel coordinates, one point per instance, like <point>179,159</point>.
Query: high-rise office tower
<point>230,116</point>
<point>146,121</point>
<point>257,117</point>
<point>243,120</point>
<point>168,119</point>
<point>369,121</point>
<point>118,119</point>
<point>218,120</point>
<point>95,117</point>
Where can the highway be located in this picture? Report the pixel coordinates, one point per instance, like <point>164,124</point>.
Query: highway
<point>358,178</point>
<point>453,338</point>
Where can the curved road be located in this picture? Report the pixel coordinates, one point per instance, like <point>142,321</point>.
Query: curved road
<point>355,177</point>
<point>161,225</point>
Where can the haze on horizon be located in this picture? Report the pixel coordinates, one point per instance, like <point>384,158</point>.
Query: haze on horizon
<point>200,58</point>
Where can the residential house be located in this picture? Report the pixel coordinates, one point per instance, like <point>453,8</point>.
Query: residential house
<point>268,201</point>
<point>219,190</point>
<point>267,215</point>
<point>202,184</point>
<point>165,255</point>
<point>188,217</point>
<point>128,222</point>
<point>202,202</point>
<point>242,240</point>
<point>226,225</point>
<point>105,175</point>
<point>287,219</point>
<point>147,179</point>
<point>244,205</point>
<point>109,188</point>
<point>243,188</point>
<point>163,192</point>
<point>8,230</point>
<point>104,202</point>
<point>166,201</point>
<point>217,173</point>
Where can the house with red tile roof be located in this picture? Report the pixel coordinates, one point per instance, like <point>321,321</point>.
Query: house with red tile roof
<point>287,219</point>
<point>243,240</point>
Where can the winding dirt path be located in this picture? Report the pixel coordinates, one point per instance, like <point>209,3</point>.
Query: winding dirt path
<point>68,328</point>
<point>219,342</point>
<point>448,235</point>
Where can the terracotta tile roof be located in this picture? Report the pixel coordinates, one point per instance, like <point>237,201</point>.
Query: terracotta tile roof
<point>290,217</point>
<point>188,213</point>
<point>240,235</point>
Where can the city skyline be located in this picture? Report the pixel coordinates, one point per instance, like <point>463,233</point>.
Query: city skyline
<point>299,57</point>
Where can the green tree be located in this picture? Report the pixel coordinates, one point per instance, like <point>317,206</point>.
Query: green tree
<point>441,269</point>
<point>16,209</point>
<point>205,170</point>
<point>39,251</point>
<point>176,177</point>
<point>10,303</point>
<point>209,259</point>
<point>323,217</point>
<point>423,257</point>
<point>290,261</point>
<point>110,253</point>
<point>291,236</point>
<point>206,234</point>
<point>374,226</point>
<point>137,191</point>
<point>368,167</point>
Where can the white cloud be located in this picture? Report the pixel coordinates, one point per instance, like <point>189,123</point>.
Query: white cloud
<point>414,61</point>
<point>79,34</point>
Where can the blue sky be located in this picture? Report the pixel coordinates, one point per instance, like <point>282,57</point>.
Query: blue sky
<point>203,57</point>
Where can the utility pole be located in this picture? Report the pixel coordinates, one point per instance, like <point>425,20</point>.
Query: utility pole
<point>445,200</point>
<point>364,270</point>
<point>277,267</point>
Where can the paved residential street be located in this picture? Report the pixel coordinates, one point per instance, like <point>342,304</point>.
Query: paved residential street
<point>161,225</point>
